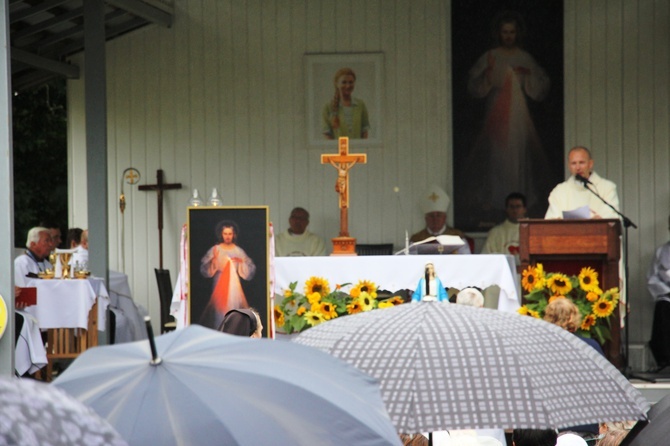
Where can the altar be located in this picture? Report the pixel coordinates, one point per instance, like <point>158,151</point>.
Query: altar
<point>400,272</point>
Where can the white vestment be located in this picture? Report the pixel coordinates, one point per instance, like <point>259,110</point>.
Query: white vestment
<point>571,194</point>
<point>25,264</point>
<point>297,245</point>
<point>503,239</point>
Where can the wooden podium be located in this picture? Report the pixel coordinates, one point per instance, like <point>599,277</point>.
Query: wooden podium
<point>567,246</point>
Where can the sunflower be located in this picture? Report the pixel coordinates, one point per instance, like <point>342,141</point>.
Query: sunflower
<point>588,279</point>
<point>588,322</point>
<point>328,310</point>
<point>300,311</point>
<point>367,301</point>
<point>279,316</point>
<point>364,286</point>
<point>317,285</point>
<point>354,307</point>
<point>314,298</point>
<point>533,278</point>
<point>559,284</point>
<point>603,307</point>
<point>592,296</point>
<point>555,296</point>
<point>288,292</point>
<point>529,279</point>
<point>540,279</point>
<point>397,300</point>
<point>385,304</point>
<point>525,311</point>
<point>314,318</point>
<point>612,295</point>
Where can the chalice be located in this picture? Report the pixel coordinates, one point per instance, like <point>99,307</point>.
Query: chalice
<point>65,264</point>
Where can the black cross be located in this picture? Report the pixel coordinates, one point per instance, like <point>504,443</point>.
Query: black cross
<point>159,187</point>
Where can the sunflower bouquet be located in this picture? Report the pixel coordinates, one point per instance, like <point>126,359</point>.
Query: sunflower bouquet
<point>595,305</point>
<point>318,303</point>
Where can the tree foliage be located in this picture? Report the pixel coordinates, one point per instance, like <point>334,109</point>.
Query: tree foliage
<point>40,158</point>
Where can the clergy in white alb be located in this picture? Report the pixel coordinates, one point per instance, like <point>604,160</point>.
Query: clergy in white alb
<point>573,193</point>
<point>34,259</point>
<point>504,238</point>
<point>297,241</point>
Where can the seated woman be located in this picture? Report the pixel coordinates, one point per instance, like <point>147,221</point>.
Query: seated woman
<point>564,313</point>
<point>242,322</point>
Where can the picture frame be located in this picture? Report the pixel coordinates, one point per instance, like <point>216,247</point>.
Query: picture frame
<point>320,71</point>
<point>221,276</point>
<point>510,139</point>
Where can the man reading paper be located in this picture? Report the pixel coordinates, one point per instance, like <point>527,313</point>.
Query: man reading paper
<point>574,192</point>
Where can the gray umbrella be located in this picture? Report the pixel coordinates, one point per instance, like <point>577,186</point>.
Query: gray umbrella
<point>36,414</point>
<point>446,366</point>
<point>208,387</point>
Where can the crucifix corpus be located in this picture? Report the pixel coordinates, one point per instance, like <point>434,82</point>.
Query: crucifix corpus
<point>159,187</point>
<point>343,161</point>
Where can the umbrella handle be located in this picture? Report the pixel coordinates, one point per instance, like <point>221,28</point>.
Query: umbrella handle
<point>155,360</point>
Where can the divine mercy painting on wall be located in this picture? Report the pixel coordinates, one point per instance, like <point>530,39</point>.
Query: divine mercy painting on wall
<point>507,107</point>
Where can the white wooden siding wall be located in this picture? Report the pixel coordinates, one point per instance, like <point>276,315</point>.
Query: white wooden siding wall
<point>617,55</point>
<point>219,101</point>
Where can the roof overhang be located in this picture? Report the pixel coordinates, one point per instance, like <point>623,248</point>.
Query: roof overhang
<point>44,33</point>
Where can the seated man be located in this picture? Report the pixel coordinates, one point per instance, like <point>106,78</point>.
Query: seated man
<point>34,260</point>
<point>297,241</point>
<point>435,205</point>
<point>658,283</point>
<point>77,239</point>
<point>504,238</point>
<point>54,232</point>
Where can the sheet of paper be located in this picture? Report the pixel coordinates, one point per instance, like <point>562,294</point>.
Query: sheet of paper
<point>580,213</point>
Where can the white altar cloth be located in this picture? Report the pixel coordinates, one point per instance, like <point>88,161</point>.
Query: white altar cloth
<point>399,272</point>
<point>66,303</point>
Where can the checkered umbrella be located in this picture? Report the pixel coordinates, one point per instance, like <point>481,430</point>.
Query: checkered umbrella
<point>446,366</point>
<point>34,413</point>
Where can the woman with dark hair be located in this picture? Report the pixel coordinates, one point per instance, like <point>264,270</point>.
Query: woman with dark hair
<point>226,263</point>
<point>242,322</point>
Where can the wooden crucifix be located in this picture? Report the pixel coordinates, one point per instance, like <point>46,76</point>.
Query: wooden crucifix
<point>343,161</point>
<point>159,187</point>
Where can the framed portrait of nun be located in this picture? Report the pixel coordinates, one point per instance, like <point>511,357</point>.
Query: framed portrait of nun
<point>228,263</point>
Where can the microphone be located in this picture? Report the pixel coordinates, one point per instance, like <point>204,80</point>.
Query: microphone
<point>583,180</point>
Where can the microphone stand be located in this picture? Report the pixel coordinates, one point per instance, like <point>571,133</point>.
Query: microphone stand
<point>627,223</point>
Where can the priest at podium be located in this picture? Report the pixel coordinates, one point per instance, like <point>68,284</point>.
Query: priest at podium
<point>574,192</point>
<point>434,205</point>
